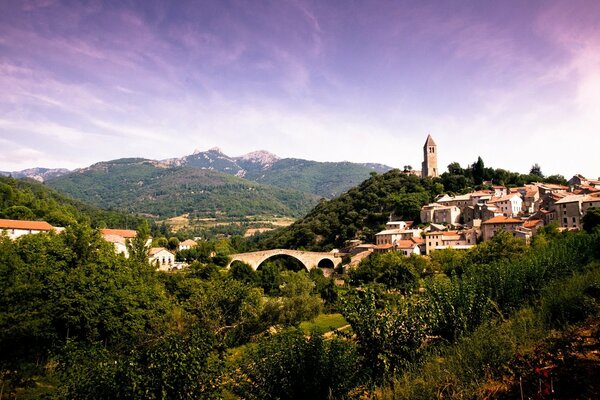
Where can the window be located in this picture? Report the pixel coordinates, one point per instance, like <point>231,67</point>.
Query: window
<point>565,220</point>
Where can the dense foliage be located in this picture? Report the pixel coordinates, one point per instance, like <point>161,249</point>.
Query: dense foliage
<point>28,199</point>
<point>143,186</point>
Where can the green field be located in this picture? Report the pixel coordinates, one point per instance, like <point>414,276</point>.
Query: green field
<point>324,323</point>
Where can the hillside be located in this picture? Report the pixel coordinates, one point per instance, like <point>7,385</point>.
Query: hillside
<point>30,200</point>
<point>151,187</point>
<point>324,179</point>
<point>358,213</point>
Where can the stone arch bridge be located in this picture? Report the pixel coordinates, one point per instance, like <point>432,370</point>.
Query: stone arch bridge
<point>309,259</point>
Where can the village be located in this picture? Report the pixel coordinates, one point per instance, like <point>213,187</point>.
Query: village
<point>460,222</point>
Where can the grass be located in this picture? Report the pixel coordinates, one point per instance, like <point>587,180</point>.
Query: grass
<point>323,323</point>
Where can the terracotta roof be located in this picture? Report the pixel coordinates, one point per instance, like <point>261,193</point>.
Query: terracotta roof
<point>503,198</point>
<point>405,244</point>
<point>383,246</point>
<point>126,233</point>
<point>532,223</point>
<point>501,219</point>
<point>481,193</point>
<point>188,242</point>
<point>155,250</point>
<point>29,225</point>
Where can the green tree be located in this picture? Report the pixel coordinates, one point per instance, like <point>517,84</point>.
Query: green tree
<point>478,171</point>
<point>591,219</point>
<point>536,170</point>
<point>138,247</point>
<point>292,366</point>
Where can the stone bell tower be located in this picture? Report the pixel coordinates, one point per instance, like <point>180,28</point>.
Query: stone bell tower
<point>429,166</point>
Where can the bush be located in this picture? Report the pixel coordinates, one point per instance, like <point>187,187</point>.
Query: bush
<point>292,366</point>
<point>571,300</point>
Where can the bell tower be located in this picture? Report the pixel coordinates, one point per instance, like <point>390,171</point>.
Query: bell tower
<point>429,166</point>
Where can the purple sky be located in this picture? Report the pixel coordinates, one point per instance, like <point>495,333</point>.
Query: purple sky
<point>516,82</point>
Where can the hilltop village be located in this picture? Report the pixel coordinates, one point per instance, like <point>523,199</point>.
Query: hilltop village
<point>460,222</point>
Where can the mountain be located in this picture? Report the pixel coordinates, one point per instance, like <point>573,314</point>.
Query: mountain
<point>39,174</point>
<point>167,188</point>
<point>325,179</point>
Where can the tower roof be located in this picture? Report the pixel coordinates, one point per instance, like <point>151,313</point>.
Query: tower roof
<point>429,141</point>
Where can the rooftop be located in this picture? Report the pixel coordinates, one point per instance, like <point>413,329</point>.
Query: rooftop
<point>28,225</point>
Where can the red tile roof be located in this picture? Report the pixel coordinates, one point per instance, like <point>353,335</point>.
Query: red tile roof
<point>405,244</point>
<point>126,233</point>
<point>501,219</point>
<point>532,223</point>
<point>28,225</point>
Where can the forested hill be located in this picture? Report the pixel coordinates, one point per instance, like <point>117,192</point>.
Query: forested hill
<point>31,200</point>
<point>325,179</point>
<point>359,213</point>
<point>151,187</point>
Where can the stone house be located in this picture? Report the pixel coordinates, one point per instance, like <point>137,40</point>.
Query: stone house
<point>460,240</point>
<point>511,205</point>
<point>493,225</point>
<point>161,258</point>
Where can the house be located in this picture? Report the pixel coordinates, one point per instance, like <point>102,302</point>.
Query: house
<point>119,238</point>
<point>460,201</point>
<point>480,197</point>
<point>569,211</point>
<point>408,247</point>
<point>500,191</point>
<point>15,228</point>
<point>511,205</point>
<point>186,245</point>
<point>398,225</point>
<point>460,240</point>
<point>493,225</point>
<point>161,258</point>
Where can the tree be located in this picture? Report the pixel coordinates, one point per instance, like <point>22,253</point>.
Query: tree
<point>478,171</point>
<point>173,243</point>
<point>138,247</point>
<point>292,366</point>
<point>454,168</point>
<point>591,219</point>
<point>243,272</point>
<point>536,170</point>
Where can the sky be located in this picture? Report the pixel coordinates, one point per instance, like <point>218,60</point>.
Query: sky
<point>515,82</point>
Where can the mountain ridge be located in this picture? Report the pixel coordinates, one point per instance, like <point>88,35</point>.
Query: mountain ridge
<point>324,179</point>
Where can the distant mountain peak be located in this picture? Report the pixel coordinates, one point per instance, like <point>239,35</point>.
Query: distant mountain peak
<point>261,156</point>
<point>214,150</point>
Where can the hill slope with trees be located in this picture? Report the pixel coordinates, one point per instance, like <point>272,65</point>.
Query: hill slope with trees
<point>30,200</point>
<point>146,186</point>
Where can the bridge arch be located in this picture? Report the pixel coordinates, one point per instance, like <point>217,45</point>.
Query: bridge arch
<point>260,263</point>
<point>308,259</point>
